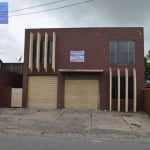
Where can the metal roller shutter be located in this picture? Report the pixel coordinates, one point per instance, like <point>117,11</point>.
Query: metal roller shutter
<point>82,94</point>
<point>42,91</point>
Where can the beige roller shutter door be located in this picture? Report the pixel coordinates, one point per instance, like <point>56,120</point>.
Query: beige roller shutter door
<point>42,91</point>
<point>82,94</point>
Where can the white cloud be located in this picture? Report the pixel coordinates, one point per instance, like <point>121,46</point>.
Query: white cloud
<point>99,13</point>
<point>12,43</point>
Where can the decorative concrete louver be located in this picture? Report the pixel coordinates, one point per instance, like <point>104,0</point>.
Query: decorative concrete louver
<point>45,51</point>
<point>110,89</point>
<point>118,75</point>
<point>38,51</point>
<point>53,51</point>
<point>31,51</point>
<point>38,45</point>
<point>126,90</point>
<point>134,91</point>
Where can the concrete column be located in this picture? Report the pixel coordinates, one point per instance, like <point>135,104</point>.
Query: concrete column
<point>45,51</point>
<point>118,75</point>
<point>126,90</point>
<point>38,51</point>
<point>134,90</point>
<point>31,51</point>
<point>110,89</point>
<point>53,51</point>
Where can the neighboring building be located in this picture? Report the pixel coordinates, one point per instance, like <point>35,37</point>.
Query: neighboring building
<point>84,68</point>
<point>10,89</point>
<point>11,84</point>
<point>1,63</point>
<point>12,67</point>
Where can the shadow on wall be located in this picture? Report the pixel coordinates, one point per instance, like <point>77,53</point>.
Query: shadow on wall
<point>8,80</point>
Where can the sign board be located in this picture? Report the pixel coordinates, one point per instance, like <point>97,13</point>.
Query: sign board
<point>77,56</point>
<point>3,12</point>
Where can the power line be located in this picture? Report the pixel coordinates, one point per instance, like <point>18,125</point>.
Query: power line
<point>23,14</point>
<point>54,2</point>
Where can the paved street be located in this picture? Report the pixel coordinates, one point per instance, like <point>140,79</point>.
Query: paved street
<point>22,142</point>
<point>93,124</point>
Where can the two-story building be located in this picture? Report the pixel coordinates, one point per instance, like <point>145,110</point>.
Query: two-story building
<point>84,68</point>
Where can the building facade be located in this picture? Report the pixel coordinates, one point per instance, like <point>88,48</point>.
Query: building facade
<point>16,67</point>
<point>84,68</point>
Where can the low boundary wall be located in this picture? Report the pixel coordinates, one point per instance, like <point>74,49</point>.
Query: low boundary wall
<point>146,92</point>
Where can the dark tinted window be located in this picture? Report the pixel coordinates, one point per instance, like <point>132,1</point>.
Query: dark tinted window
<point>122,87</point>
<point>122,52</point>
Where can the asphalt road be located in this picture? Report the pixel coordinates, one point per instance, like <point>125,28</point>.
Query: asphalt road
<point>22,142</point>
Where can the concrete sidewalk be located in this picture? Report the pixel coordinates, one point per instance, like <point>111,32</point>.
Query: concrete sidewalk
<point>76,123</point>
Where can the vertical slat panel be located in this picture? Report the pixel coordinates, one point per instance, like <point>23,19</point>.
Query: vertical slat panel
<point>45,51</point>
<point>126,90</point>
<point>118,74</point>
<point>134,90</point>
<point>53,51</point>
<point>110,89</point>
<point>31,51</point>
<point>38,51</point>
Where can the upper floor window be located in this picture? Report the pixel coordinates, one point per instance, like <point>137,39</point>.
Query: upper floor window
<point>122,52</point>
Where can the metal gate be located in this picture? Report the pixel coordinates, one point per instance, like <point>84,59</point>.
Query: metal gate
<point>81,92</point>
<point>16,97</point>
<point>42,91</point>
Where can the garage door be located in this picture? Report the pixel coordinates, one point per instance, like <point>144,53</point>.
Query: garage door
<point>42,91</point>
<point>82,94</point>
